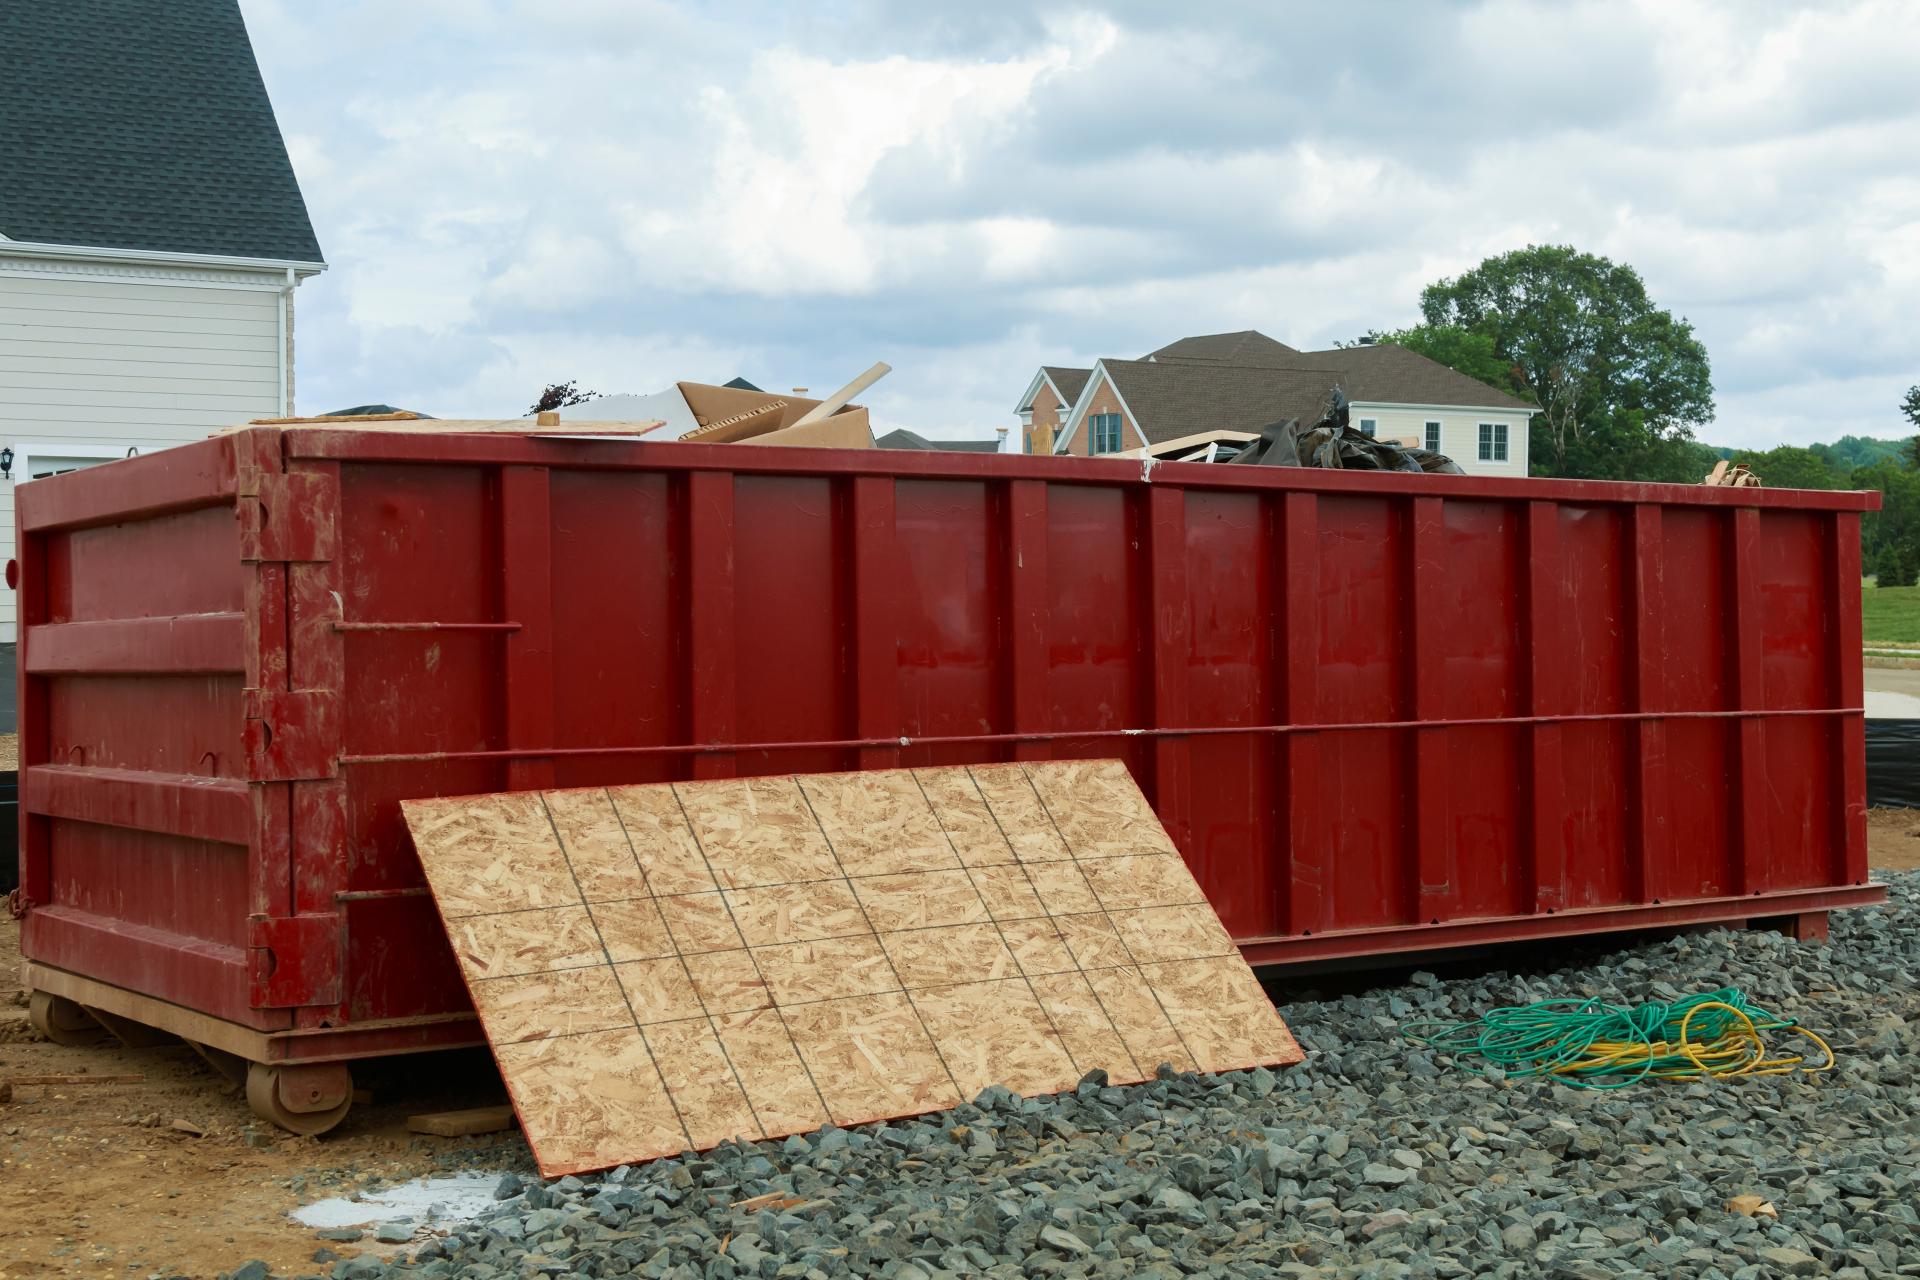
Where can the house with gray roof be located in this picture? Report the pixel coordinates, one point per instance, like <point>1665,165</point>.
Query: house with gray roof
<point>152,235</point>
<point>1228,386</point>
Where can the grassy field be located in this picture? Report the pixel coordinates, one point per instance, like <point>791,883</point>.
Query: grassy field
<point>1892,615</point>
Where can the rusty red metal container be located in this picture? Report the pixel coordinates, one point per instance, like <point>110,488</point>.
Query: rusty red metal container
<point>1378,713</point>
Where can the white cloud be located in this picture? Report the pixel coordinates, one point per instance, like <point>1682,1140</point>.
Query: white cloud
<point>513,192</point>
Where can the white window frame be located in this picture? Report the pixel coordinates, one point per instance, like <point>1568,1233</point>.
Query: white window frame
<point>1369,426</point>
<point>1493,442</point>
<point>1430,436</point>
<point>1094,437</point>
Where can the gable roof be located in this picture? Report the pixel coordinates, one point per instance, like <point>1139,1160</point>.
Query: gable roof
<point>901,438</point>
<point>1243,346</point>
<point>1170,400</point>
<point>143,124</point>
<point>1068,381</point>
<point>1389,374</point>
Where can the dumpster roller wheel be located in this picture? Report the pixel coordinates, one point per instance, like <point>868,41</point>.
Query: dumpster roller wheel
<point>307,1099</point>
<point>63,1021</point>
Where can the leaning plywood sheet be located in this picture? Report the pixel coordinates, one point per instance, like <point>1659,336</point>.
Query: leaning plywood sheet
<point>661,968</point>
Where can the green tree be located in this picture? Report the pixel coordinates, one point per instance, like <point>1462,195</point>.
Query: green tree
<point>1890,537</point>
<point>1791,467</point>
<point>1621,383</point>
<point>1459,349</point>
<point>1911,407</point>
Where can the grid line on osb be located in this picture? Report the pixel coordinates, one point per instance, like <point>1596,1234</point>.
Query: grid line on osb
<point>661,968</point>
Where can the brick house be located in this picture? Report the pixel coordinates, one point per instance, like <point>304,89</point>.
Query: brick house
<point>1234,384</point>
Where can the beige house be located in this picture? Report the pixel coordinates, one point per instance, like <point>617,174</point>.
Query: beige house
<point>1234,384</point>
<point>151,238</point>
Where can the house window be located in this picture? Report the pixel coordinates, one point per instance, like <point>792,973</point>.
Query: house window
<point>1433,437</point>
<point>1106,432</point>
<point>1369,427</point>
<point>1493,442</point>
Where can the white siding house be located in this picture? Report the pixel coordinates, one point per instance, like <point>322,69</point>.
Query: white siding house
<point>1236,384</point>
<point>152,234</point>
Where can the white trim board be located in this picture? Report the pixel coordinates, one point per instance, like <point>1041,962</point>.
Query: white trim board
<point>1356,405</point>
<point>1085,402</point>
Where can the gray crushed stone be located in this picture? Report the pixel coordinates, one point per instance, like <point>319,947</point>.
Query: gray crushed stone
<point>1376,1159</point>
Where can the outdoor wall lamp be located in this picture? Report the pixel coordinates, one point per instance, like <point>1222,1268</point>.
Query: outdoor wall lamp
<point>6,464</point>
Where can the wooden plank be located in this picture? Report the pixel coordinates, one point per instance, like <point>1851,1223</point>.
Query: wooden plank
<point>463,1124</point>
<point>839,961</point>
<point>839,399</point>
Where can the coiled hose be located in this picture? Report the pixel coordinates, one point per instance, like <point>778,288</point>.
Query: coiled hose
<point>1594,1045</point>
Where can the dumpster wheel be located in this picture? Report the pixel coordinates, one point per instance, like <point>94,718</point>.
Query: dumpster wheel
<point>306,1099</point>
<point>63,1021</point>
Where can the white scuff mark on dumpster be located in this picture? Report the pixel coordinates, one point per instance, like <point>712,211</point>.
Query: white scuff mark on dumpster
<point>1146,468</point>
<point>424,1202</point>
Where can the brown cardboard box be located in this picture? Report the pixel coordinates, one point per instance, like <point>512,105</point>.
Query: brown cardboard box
<point>730,415</point>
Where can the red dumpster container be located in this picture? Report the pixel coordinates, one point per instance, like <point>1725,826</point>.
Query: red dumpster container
<point>1378,713</point>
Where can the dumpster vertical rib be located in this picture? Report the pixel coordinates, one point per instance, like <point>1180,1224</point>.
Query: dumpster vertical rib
<point>526,597</point>
<point>1306,835</point>
<point>30,610</point>
<point>1849,865</point>
<point>270,868</point>
<point>708,639</point>
<point>1434,897</point>
<point>1749,691</point>
<point>1651,834</point>
<point>1167,614</point>
<point>1026,647</point>
<point>1546,651</point>
<point>873,550</point>
<point>316,659</point>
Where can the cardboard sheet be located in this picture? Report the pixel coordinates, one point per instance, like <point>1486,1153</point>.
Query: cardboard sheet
<point>662,968</point>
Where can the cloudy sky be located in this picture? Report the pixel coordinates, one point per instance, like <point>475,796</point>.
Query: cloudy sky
<point>630,192</point>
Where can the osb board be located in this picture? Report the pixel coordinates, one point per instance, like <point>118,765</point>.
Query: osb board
<point>661,968</point>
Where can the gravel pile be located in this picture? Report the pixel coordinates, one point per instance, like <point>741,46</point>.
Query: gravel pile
<point>1374,1159</point>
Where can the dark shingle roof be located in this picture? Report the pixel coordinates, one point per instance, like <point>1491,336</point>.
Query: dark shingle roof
<point>1245,346</point>
<point>143,124</point>
<point>901,438</point>
<point>1171,400</point>
<point>1396,375</point>
<point>1067,381</point>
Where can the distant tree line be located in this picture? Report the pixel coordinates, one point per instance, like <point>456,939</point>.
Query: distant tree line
<point>1623,384</point>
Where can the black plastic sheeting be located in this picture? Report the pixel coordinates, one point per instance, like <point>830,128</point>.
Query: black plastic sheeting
<point>1332,442</point>
<point>1893,764</point>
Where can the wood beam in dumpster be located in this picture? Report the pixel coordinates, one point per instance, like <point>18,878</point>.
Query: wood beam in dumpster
<point>661,968</point>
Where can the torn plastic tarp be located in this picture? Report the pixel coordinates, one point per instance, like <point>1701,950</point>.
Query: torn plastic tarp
<point>1331,442</point>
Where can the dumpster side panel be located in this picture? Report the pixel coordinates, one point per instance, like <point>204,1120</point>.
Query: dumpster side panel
<point>1367,709</point>
<point>1377,713</point>
<point>138,819</point>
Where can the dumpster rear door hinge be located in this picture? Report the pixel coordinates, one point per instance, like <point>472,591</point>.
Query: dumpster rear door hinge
<point>288,517</point>
<point>292,734</point>
<point>293,961</point>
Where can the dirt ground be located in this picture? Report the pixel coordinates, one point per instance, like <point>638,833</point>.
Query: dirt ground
<point>95,1180</point>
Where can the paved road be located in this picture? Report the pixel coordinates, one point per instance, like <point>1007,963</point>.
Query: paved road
<point>1893,693</point>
